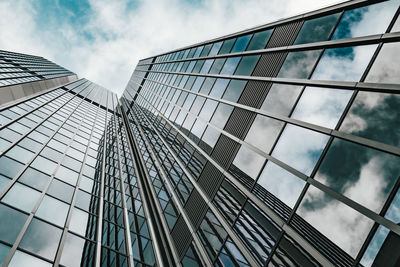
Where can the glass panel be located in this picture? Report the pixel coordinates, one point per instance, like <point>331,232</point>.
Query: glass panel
<point>281,98</point>
<point>79,221</point>
<point>72,252</point>
<point>41,239</point>
<point>20,154</point>
<point>259,40</point>
<point>344,63</point>
<point>210,137</point>
<point>247,65</point>
<point>341,224</point>
<point>221,115</point>
<point>83,200</point>
<point>9,167</point>
<point>299,64</point>
<point>22,259</point>
<point>219,87</point>
<point>207,85</point>
<point>371,19</point>
<point>380,243</point>
<point>363,174</point>
<point>61,190</point>
<point>214,50</point>
<point>375,116</point>
<point>208,109</point>
<point>396,26</point>
<point>3,182</point>
<point>241,43</point>
<point>21,197</point>
<point>11,223</point>
<point>217,66</point>
<point>284,185</point>
<point>385,68</point>
<point>67,175</point>
<point>322,106</point>
<point>44,165</point>
<point>248,161</point>
<point>300,148</point>
<point>53,211</point>
<point>316,30</point>
<point>34,178</point>
<point>263,132</point>
<point>4,249</point>
<point>234,90</point>
<point>227,46</point>
<point>230,66</point>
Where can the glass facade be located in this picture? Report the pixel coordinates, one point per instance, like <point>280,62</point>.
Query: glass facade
<point>276,146</point>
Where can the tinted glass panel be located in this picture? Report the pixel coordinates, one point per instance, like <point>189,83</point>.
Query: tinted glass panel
<point>367,20</point>
<point>72,252</point>
<point>9,167</point>
<point>246,65</point>
<point>22,259</point>
<point>248,161</point>
<point>263,132</point>
<point>21,197</point>
<point>3,252</point>
<point>300,148</point>
<point>259,40</point>
<point>344,64</point>
<point>341,224</point>
<point>316,30</point>
<point>42,239</point>
<point>281,98</point>
<point>78,222</point>
<point>284,185</point>
<point>322,106</point>
<point>234,90</point>
<point>241,43</point>
<point>10,224</point>
<point>299,64</point>
<point>363,174</point>
<point>219,87</point>
<point>385,68</point>
<point>227,46</point>
<point>61,190</point>
<point>53,211</point>
<point>375,116</point>
<point>34,178</point>
<point>230,66</point>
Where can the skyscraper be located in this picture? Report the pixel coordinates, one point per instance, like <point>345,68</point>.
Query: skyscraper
<point>275,146</point>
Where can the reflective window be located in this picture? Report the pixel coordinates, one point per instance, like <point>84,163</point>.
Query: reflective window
<point>41,239</point>
<point>34,178</point>
<point>219,87</point>
<point>234,90</point>
<point>9,167</point>
<point>363,174</point>
<point>241,43</point>
<point>78,223</point>
<point>344,63</point>
<point>206,67</point>
<point>341,224</point>
<point>248,161</point>
<point>72,252</point>
<point>300,148</point>
<point>284,185</point>
<point>4,249</point>
<point>61,190</point>
<point>396,26</point>
<point>21,197</point>
<point>368,20</point>
<point>299,64</point>
<point>11,223</point>
<point>221,115</point>
<point>83,200</point>
<point>317,30</point>
<point>210,137</point>
<point>375,116</point>
<point>379,244</point>
<point>3,182</point>
<point>20,154</point>
<point>207,85</point>
<point>44,165</point>
<point>263,132</point>
<point>281,98</point>
<point>67,175</point>
<point>227,46</point>
<point>230,66</point>
<point>217,66</point>
<point>259,40</point>
<point>208,109</point>
<point>322,106</point>
<point>247,65</point>
<point>385,68</point>
<point>53,211</point>
<point>214,50</point>
<point>22,259</point>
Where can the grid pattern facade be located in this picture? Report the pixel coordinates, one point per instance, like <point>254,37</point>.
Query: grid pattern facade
<point>278,145</point>
<point>32,74</point>
<point>274,146</point>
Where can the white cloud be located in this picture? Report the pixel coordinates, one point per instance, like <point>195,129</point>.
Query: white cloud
<point>123,35</point>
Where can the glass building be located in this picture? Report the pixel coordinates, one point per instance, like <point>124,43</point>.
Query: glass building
<point>275,146</point>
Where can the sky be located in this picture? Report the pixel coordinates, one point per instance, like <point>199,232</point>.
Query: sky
<point>102,40</point>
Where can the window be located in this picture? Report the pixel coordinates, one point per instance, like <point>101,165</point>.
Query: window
<point>241,43</point>
<point>61,190</point>
<point>300,148</point>
<point>21,197</point>
<point>20,154</point>
<point>248,161</point>
<point>344,63</point>
<point>385,68</point>
<point>281,98</point>
<point>230,66</point>
<point>9,167</point>
<point>227,46</point>
<point>34,178</point>
<point>22,259</point>
<point>234,90</point>
<point>67,175</point>
<point>79,220</point>
<point>41,239</point>
<point>219,88</point>
<point>316,30</point>
<point>44,165</point>
<point>11,223</point>
<point>259,40</point>
<point>299,64</point>
<point>322,106</point>
<point>247,65</point>
<point>72,252</point>
<point>53,211</point>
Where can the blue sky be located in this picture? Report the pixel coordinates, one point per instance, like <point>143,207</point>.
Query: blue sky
<point>102,40</point>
